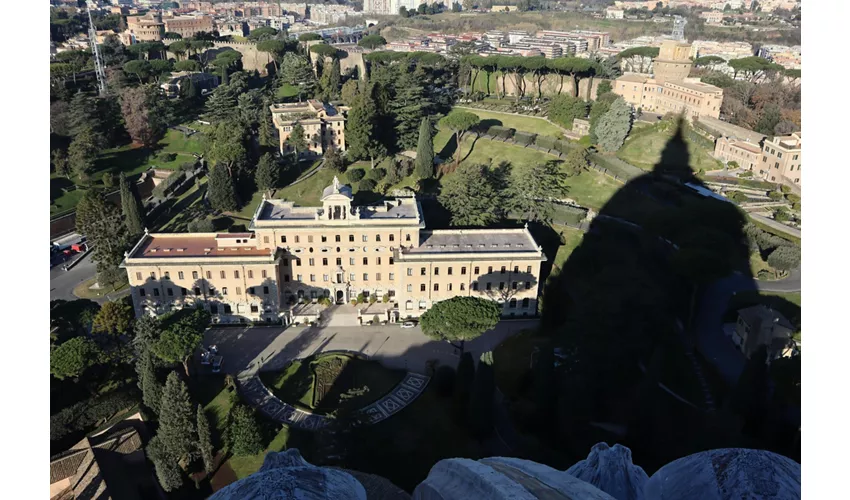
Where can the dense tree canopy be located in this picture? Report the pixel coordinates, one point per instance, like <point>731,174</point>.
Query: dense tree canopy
<point>372,41</point>
<point>460,318</point>
<point>475,195</point>
<point>614,126</point>
<point>114,318</point>
<point>70,359</point>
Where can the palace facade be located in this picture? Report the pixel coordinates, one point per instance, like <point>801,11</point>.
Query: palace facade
<point>295,255</point>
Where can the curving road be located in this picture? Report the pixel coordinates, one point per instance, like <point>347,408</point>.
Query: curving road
<point>713,344</point>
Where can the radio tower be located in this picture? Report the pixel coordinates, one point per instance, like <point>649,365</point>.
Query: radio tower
<point>679,23</point>
<point>98,63</point>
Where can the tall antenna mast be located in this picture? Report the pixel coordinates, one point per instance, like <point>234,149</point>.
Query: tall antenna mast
<point>98,63</point>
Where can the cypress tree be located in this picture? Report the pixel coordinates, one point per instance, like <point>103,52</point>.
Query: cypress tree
<point>481,398</point>
<point>205,440</point>
<point>167,468</point>
<point>176,423</point>
<point>267,173</point>
<point>222,195</point>
<point>424,167</point>
<point>243,434</point>
<point>131,208</point>
<point>148,383</point>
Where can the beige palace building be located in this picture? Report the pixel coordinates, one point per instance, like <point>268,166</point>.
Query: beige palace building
<point>323,124</point>
<point>298,254</point>
<point>669,90</point>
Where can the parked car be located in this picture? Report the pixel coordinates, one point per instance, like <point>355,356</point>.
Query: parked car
<point>216,363</point>
<point>408,324</point>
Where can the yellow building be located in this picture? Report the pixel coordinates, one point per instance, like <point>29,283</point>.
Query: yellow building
<point>323,124</point>
<point>669,90</point>
<point>340,251</point>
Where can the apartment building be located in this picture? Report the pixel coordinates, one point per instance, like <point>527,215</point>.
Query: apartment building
<point>712,16</point>
<point>146,28</point>
<point>188,26</point>
<point>337,250</point>
<point>781,159</point>
<point>323,124</point>
<point>614,13</point>
<point>669,90</point>
<point>745,153</point>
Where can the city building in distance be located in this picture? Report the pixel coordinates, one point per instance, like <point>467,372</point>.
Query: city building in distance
<point>295,254</point>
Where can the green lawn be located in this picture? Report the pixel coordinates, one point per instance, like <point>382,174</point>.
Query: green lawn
<point>572,239</point>
<point>84,292</point>
<point>132,160</point>
<point>644,151</point>
<point>184,209</point>
<point>246,465</point>
<point>517,122</point>
<point>286,91</point>
<point>66,201</point>
<point>485,151</point>
<point>359,383</point>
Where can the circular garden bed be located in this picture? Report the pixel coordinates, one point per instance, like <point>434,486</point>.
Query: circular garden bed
<point>332,383</point>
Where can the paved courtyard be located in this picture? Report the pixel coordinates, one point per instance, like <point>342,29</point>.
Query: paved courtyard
<point>248,350</point>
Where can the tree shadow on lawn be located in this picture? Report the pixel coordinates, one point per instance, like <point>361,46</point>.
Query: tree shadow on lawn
<point>125,160</point>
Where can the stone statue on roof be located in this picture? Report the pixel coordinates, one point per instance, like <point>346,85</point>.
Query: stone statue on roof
<point>336,184</point>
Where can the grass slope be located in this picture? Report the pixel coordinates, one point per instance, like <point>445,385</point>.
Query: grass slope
<point>522,123</point>
<point>644,151</point>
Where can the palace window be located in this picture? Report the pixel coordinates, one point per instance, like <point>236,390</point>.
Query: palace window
<point>236,274</point>
<point>422,287</point>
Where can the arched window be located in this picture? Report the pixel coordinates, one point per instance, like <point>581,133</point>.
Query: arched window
<point>525,302</point>
<point>512,304</point>
<point>408,305</point>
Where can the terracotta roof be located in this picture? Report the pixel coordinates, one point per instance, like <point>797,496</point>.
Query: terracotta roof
<point>176,246</point>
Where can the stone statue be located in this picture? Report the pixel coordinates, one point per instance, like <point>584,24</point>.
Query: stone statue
<point>336,184</point>
<point>607,474</point>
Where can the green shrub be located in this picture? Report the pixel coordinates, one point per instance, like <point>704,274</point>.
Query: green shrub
<point>781,215</point>
<point>524,138</point>
<point>501,132</point>
<point>563,146</point>
<point>376,174</point>
<point>88,414</point>
<point>796,207</point>
<point>167,157</point>
<point>200,226</point>
<point>545,142</point>
<point>355,174</point>
<point>775,195</point>
<point>746,174</point>
<point>368,185</point>
<point>361,298</point>
<point>187,166</point>
<point>793,198</point>
<point>108,179</point>
<point>373,298</point>
<point>785,189</point>
<point>733,164</point>
<point>737,197</point>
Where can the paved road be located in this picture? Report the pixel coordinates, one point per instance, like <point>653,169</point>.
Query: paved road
<point>62,283</point>
<point>777,225</point>
<point>248,350</point>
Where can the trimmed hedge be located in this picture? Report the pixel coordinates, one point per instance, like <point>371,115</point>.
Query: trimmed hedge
<point>563,146</point>
<point>524,138</point>
<point>570,214</point>
<point>545,142</point>
<point>501,132</point>
<point>88,414</point>
<point>164,187</point>
<point>611,166</point>
<point>356,174</point>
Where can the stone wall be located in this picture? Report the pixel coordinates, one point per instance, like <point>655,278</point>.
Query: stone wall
<point>550,86</point>
<point>252,59</point>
